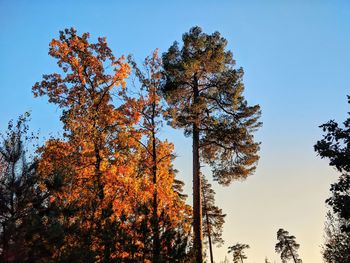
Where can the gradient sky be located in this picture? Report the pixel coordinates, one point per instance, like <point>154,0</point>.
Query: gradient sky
<point>296,57</point>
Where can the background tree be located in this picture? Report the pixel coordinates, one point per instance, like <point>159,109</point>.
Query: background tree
<point>225,260</point>
<point>157,160</point>
<point>337,243</point>
<point>335,146</point>
<point>205,96</point>
<point>17,189</point>
<point>287,246</point>
<point>238,252</point>
<point>23,205</point>
<point>214,219</point>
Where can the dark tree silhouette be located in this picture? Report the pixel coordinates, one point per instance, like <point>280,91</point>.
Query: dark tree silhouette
<point>287,246</point>
<point>238,252</point>
<point>335,146</point>
<point>214,219</point>
<point>337,243</point>
<point>20,196</point>
<point>205,96</point>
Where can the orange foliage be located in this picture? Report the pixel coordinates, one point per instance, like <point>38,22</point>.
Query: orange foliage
<point>101,161</point>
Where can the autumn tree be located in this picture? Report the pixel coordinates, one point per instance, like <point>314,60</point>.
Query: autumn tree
<point>287,246</point>
<point>335,146</point>
<point>214,219</point>
<point>167,204</point>
<point>205,95</point>
<point>96,152</point>
<point>238,252</point>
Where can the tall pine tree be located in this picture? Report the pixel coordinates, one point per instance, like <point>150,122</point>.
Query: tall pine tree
<point>205,95</point>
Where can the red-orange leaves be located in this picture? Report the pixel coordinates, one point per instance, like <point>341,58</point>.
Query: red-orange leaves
<point>115,176</point>
<point>97,158</point>
<point>88,69</point>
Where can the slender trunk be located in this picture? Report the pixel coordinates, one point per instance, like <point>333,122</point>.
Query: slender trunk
<point>240,255</point>
<point>208,228</point>
<point>197,206</point>
<point>99,221</point>
<point>291,251</point>
<point>155,220</point>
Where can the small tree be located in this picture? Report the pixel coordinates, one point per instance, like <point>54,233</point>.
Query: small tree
<point>238,252</point>
<point>214,219</point>
<point>287,246</point>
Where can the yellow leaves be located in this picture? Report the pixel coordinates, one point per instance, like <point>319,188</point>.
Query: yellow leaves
<point>121,72</point>
<point>59,49</point>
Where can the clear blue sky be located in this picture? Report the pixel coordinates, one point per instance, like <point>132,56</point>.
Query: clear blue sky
<point>296,57</point>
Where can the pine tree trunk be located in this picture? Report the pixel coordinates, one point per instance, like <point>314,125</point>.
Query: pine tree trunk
<point>197,200</point>
<point>291,251</point>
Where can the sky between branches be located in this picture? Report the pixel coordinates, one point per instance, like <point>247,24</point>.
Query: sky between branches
<point>296,59</point>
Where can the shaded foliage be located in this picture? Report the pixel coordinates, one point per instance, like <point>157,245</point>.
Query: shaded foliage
<point>335,146</point>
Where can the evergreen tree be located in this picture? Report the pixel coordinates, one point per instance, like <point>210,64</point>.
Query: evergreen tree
<point>238,252</point>
<point>205,96</point>
<point>17,185</point>
<point>214,219</point>
<point>22,202</point>
<point>287,246</point>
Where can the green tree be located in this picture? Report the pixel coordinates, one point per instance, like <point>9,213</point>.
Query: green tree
<point>205,96</point>
<point>287,246</point>
<point>214,218</point>
<point>238,252</point>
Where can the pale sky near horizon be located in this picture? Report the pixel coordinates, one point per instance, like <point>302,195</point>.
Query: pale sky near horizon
<point>296,57</point>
